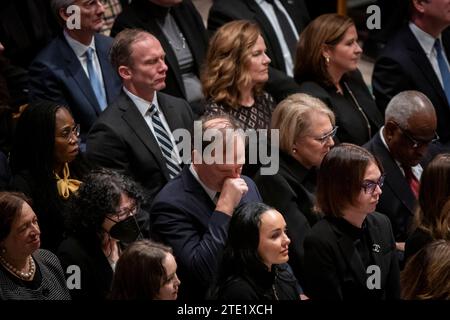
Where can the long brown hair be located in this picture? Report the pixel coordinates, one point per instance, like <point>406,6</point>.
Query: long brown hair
<point>431,216</point>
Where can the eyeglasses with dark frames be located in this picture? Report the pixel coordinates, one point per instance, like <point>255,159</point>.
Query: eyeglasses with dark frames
<point>126,212</point>
<point>68,133</point>
<point>323,139</point>
<point>415,143</point>
<point>369,186</point>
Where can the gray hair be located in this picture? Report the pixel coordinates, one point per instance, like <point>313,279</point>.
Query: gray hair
<point>57,5</point>
<point>405,104</point>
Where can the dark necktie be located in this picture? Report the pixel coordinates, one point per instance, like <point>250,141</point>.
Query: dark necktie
<point>165,144</point>
<point>411,180</point>
<point>443,68</point>
<point>286,28</point>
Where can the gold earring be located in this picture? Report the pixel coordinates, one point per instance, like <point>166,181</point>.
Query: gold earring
<point>294,150</point>
<point>327,59</point>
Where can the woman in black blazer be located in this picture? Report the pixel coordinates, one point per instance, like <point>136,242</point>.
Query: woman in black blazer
<point>350,254</point>
<point>306,131</point>
<point>326,67</point>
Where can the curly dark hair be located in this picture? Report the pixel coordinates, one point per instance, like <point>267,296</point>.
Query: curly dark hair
<point>98,196</point>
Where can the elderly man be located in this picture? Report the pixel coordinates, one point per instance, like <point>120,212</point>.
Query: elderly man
<point>134,134</point>
<point>192,212</point>
<point>417,58</point>
<point>74,69</point>
<point>401,145</point>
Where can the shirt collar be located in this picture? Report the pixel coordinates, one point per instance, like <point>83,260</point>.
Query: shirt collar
<point>426,40</point>
<point>211,193</point>
<point>142,104</point>
<point>79,48</point>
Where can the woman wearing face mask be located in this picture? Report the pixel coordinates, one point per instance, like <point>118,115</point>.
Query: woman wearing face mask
<point>103,214</point>
<point>146,271</point>
<point>253,265</point>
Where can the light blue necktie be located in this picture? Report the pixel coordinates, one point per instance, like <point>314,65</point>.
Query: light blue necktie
<point>443,67</point>
<point>94,79</point>
<point>165,144</point>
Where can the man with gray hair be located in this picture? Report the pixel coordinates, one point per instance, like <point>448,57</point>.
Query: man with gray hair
<point>74,69</point>
<point>402,145</point>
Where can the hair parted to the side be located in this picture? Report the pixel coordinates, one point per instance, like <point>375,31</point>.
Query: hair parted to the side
<point>11,204</point>
<point>295,115</point>
<point>426,275</point>
<point>57,5</point>
<point>226,68</point>
<point>140,271</point>
<point>325,30</point>
<point>340,177</point>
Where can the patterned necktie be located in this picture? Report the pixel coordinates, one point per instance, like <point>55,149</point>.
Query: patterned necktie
<point>165,144</point>
<point>286,28</point>
<point>94,79</point>
<point>443,68</point>
<point>411,180</point>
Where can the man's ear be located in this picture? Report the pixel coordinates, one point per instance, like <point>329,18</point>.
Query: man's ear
<point>418,5</point>
<point>125,72</point>
<point>63,14</point>
<point>326,51</point>
<point>389,129</point>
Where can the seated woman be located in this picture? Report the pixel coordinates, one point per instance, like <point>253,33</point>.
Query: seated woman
<point>146,270</point>
<point>306,129</point>
<point>432,219</point>
<point>253,266</point>
<point>235,72</point>
<point>426,275</point>
<point>47,165</point>
<point>350,254</point>
<point>26,272</point>
<point>326,67</point>
<point>102,215</point>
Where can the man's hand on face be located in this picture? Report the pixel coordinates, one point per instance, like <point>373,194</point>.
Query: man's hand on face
<point>233,190</point>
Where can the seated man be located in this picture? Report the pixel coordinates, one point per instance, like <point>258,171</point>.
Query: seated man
<point>74,69</point>
<point>401,145</point>
<point>192,212</point>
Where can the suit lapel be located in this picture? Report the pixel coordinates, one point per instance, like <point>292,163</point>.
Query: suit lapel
<point>76,70</point>
<point>136,122</point>
<point>108,73</point>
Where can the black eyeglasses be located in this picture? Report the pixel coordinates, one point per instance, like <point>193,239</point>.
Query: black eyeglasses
<point>323,139</point>
<point>68,133</point>
<point>415,143</point>
<point>126,212</point>
<point>369,186</point>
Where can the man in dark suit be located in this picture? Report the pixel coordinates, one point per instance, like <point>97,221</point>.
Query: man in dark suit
<point>264,13</point>
<point>179,28</point>
<point>134,134</point>
<point>192,212</point>
<point>402,145</point>
<point>414,59</point>
<point>74,69</point>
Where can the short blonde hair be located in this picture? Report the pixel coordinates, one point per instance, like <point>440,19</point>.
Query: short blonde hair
<point>294,116</point>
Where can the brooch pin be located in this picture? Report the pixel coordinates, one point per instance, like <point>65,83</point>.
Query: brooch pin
<point>376,248</point>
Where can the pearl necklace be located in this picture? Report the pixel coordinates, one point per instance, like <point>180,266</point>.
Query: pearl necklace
<point>28,276</point>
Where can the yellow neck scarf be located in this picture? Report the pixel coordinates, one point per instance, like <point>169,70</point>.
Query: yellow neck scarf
<point>65,185</point>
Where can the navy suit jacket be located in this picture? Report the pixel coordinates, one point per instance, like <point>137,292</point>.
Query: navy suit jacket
<point>403,65</point>
<point>184,217</point>
<point>121,140</point>
<point>222,11</point>
<point>57,75</point>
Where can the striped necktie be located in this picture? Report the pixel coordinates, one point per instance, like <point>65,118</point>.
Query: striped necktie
<point>165,144</point>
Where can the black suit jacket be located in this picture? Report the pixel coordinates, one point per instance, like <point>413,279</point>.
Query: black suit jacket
<point>184,217</point>
<point>291,192</point>
<point>57,75</point>
<point>143,14</point>
<point>222,11</point>
<point>352,126</point>
<point>120,139</point>
<point>334,270</point>
<point>403,65</point>
<point>397,200</point>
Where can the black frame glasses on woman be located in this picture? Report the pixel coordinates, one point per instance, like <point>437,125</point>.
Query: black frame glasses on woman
<point>68,132</point>
<point>323,139</point>
<point>369,186</point>
<point>126,212</point>
<point>416,143</point>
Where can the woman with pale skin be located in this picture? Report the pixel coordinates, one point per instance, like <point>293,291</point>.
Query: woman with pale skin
<point>306,129</point>
<point>146,271</point>
<point>343,249</point>
<point>26,272</point>
<point>253,266</point>
<point>326,67</point>
<point>235,72</point>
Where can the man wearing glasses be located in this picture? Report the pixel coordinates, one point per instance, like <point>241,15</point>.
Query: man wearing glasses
<point>403,146</point>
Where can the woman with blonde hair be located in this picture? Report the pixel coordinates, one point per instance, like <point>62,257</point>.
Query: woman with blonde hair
<point>306,130</point>
<point>326,67</point>
<point>235,72</point>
